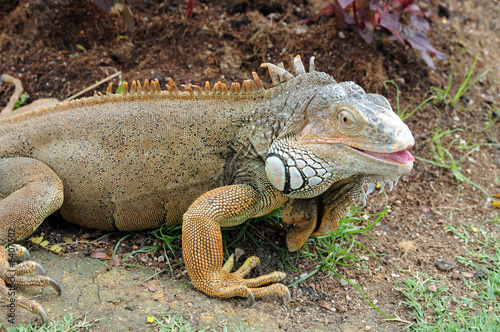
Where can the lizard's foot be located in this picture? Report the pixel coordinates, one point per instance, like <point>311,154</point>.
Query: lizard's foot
<point>11,276</point>
<point>224,284</point>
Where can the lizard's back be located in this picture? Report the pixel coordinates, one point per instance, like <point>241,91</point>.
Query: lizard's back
<point>129,159</point>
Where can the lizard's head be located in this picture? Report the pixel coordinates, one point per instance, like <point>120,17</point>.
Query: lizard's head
<point>342,140</point>
<point>345,132</point>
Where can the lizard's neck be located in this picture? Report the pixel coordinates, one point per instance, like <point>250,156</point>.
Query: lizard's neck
<point>282,110</point>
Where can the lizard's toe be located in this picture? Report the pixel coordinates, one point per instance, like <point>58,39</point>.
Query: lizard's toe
<point>224,284</point>
<point>13,276</point>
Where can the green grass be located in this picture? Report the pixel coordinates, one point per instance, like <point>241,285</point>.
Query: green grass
<point>336,249</point>
<point>177,323</point>
<point>486,254</point>
<point>406,112</point>
<point>67,324</point>
<point>22,100</point>
<point>446,97</point>
<point>437,308</point>
<point>169,323</point>
<point>443,154</point>
<point>326,253</point>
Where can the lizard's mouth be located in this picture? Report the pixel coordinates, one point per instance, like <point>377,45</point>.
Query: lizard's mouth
<point>400,157</point>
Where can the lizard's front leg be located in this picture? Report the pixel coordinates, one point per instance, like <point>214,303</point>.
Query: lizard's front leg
<point>202,244</point>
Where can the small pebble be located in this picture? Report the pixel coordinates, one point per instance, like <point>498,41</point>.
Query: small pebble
<point>445,265</point>
<point>481,274</point>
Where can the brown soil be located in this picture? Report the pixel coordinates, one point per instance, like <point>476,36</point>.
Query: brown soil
<point>57,48</point>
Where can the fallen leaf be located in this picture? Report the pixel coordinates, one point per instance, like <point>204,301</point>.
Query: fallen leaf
<point>99,254</point>
<point>115,261</point>
<point>324,304</point>
<point>37,240</point>
<point>152,287</point>
<point>432,288</point>
<point>104,240</point>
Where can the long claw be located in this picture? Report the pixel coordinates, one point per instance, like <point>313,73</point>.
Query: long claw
<point>26,255</point>
<point>370,187</point>
<point>21,253</point>
<point>55,285</point>
<point>251,299</point>
<point>287,297</point>
<point>43,315</point>
<point>39,269</point>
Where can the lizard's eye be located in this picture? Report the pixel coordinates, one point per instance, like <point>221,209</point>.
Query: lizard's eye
<point>347,121</point>
<point>345,118</point>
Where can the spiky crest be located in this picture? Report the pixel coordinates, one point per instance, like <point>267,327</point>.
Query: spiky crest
<point>278,75</point>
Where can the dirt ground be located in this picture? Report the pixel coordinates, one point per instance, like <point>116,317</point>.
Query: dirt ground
<point>58,48</point>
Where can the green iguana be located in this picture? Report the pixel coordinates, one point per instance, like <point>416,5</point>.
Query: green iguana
<point>204,157</point>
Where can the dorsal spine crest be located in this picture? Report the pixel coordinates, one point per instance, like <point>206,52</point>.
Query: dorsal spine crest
<point>278,75</point>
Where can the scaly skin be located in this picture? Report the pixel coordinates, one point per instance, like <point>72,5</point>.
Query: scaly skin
<point>206,159</point>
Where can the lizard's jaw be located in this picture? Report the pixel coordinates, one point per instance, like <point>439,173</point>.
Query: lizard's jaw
<point>402,159</point>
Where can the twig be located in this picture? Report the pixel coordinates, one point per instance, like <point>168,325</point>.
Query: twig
<point>94,85</point>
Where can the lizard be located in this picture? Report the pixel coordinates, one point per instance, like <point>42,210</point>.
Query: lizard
<point>204,157</point>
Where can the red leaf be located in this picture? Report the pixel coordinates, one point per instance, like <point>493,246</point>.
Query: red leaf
<point>391,23</point>
<point>190,6</point>
<point>420,23</point>
<point>375,6</point>
<point>342,17</point>
<point>419,41</point>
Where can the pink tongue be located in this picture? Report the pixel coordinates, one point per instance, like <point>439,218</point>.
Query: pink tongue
<point>400,157</point>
